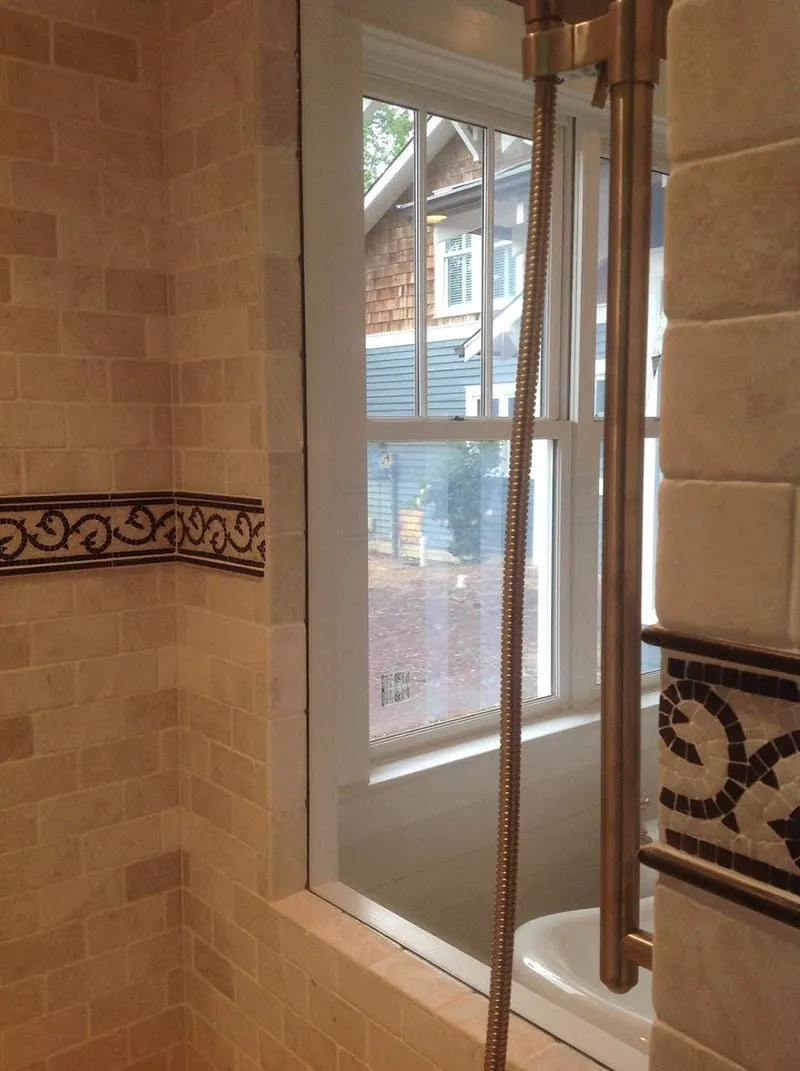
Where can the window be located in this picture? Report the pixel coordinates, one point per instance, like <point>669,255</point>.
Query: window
<point>418,490</point>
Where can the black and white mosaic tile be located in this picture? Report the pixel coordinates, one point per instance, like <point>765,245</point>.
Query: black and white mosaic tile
<point>730,768</point>
<point>55,533</point>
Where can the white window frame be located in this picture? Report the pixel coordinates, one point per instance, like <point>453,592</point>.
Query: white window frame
<point>337,435</point>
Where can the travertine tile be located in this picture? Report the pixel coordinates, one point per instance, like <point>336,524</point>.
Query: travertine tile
<point>717,574</point>
<point>26,36</point>
<point>671,1051</point>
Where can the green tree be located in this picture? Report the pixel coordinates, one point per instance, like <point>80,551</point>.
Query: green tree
<point>386,132</point>
<point>455,494</point>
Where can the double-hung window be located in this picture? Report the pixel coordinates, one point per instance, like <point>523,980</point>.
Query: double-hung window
<point>407,503</point>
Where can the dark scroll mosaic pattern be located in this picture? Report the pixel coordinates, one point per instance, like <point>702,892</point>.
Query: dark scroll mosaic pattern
<point>48,533</point>
<point>731,769</point>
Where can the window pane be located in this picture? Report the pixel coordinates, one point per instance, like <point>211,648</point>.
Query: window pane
<point>656,320</point>
<point>389,252</point>
<point>436,529</point>
<point>454,214</point>
<point>512,178</point>
<point>652,479</point>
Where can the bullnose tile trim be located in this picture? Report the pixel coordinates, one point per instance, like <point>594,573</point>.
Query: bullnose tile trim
<point>49,533</point>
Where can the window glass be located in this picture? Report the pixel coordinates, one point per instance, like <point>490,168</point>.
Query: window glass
<point>436,520</point>
<point>656,319</point>
<point>389,291</point>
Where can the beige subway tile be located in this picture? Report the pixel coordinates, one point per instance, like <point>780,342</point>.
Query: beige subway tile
<point>103,334</point>
<point>717,576</point>
<point>240,283</point>
<point>151,795</point>
<point>194,194</point>
<point>278,112</point>
<point>147,877</point>
<point>347,1062</point>
<point>126,674</point>
<point>447,1047</point>
<point>285,869</point>
<point>127,1005</point>
<point>197,289</point>
<point>252,914</point>
<point>62,379</point>
<point>699,81</point>
<point>231,684</point>
<point>218,849</point>
<point>36,597</point>
<point>227,235</point>
<point>211,802</point>
<point>127,842</point>
<point>673,1051</point>
<point>102,425</point>
<point>18,828</point>
<point>16,738</point>
<point>285,497</point>
<point>246,473</point>
<point>308,1043</point>
<point>262,1007</point>
<point>83,981</point>
<point>28,330</point>
<point>209,1040</point>
<point>133,381</point>
<point>19,916</point>
<point>715,395</point>
<point>155,1034</point>
<point>5,280</point>
<point>150,712</point>
<point>745,207</point>
<point>218,88</point>
<point>338,1020</point>
<point>68,816</point>
<point>210,965</point>
<point>135,18</point>
<point>198,916</point>
<point>114,929</point>
<point>37,778</point>
<point>100,148</point>
<point>281,212</point>
<point>202,470</point>
<point>71,901</point>
<point>418,981</point>
<point>130,290</point>
<point>20,1003</point>
<point>32,424</point>
<point>129,198</point>
<point>226,427</point>
<point>188,425</point>
<point>311,955</point>
<point>179,153</point>
<point>238,185</point>
<point>27,690</point>
<point>211,886</point>
<point>51,471</point>
<point>281,292</point>
<point>142,470</point>
<point>237,1027</point>
<point>25,36</point>
<point>287,754</point>
<point>391,1054</point>
<point>235,944</point>
<point>107,1053</point>
<point>251,822</point>
<point>148,627</point>
<point>40,953</point>
<point>118,761</point>
<point>120,243</point>
<point>250,735</point>
<point>232,771</point>
<point>44,187</point>
<point>366,991</point>
<point>15,647</point>
<point>117,589</point>
<point>79,11</point>
<point>29,233</point>
<point>283,980</point>
<point>186,13</point>
<point>218,137</point>
<point>95,52</point>
<point>284,409</point>
<point>287,557</point>
<point>154,956</point>
<point>65,640</point>
<point>130,107</point>
<point>77,727</point>
<point>43,1037</point>
<point>201,382</point>
<point>9,378</point>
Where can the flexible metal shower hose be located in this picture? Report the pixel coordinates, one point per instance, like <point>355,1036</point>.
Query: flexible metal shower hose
<point>530,347</point>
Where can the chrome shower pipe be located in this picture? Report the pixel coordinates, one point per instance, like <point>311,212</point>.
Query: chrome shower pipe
<point>545,15</point>
<point>624,44</point>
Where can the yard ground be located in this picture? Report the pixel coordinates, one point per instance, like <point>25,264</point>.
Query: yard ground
<point>441,623</point>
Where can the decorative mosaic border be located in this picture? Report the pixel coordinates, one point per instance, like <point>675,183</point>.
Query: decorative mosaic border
<point>731,768</point>
<point>50,533</point>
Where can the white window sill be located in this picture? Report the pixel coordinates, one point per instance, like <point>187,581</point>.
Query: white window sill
<point>393,769</point>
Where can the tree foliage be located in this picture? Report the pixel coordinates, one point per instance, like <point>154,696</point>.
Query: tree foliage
<point>456,494</point>
<point>386,132</point>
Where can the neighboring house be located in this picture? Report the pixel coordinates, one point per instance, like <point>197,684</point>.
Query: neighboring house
<point>453,327</point>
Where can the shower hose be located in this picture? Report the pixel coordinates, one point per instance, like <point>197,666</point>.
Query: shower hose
<point>530,347</point>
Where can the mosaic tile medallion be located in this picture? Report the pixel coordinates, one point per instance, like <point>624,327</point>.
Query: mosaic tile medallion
<point>730,769</point>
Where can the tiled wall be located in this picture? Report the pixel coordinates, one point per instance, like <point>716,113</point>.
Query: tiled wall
<point>137,934</point>
<point>728,558</point>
